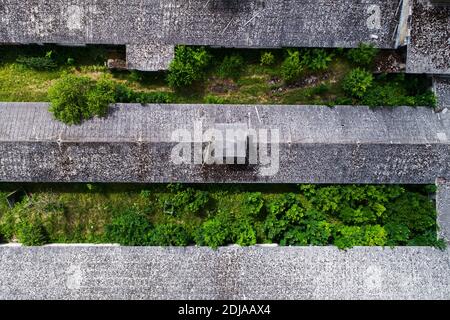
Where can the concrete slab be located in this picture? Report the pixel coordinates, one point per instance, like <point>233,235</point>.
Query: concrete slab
<point>102,272</point>
<point>429,48</point>
<point>316,144</point>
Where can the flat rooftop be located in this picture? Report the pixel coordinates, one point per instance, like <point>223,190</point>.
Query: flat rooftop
<point>232,23</point>
<point>318,144</point>
<point>108,272</point>
<point>429,49</point>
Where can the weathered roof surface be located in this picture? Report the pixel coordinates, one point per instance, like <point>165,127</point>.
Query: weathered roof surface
<point>297,124</point>
<point>107,272</point>
<point>232,23</point>
<point>429,49</point>
<point>317,144</point>
<point>441,88</point>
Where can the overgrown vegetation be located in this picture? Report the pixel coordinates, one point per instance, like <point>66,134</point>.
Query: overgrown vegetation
<point>188,66</point>
<point>363,56</point>
<point>212,215</point>
<point>199,75</point>
<point>357,82</point>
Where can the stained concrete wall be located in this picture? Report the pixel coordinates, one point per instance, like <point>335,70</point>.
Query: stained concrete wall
<point>104,272</point>
<point>317,145</point>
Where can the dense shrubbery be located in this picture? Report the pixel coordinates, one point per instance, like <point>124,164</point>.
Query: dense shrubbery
<point>130,228</point>
<point>292,67</point>
<point>357,82</point>
<point>188,66</point>
<point>2,236</point>
<point>345,216</point>
<point>317,59</point>
<point>69,99</point>
<point>398,91</point>
<point>364,55</point>
<point>32,233</point>
<point>256,76</point>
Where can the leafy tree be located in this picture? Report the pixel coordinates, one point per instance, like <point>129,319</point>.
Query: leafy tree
<point>69,99</point>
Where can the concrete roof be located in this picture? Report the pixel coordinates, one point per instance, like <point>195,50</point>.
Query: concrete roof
<point>441,87</point>
<point>251,23</point>
<point>151,28</point>
<point>429,48</point>
<point>317,144</point>
<point>108,272</point>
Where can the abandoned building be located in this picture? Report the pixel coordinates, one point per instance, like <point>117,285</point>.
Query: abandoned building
<point>342,145</point>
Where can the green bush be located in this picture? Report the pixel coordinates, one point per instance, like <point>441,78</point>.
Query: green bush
<point>231,67</point>
<point>294,237</point>
<point>253,204</point>
<point>244,233</point>
<point>267,59</point>
<point>387,95</point>
<point>292,68</point>
<point>101,95</point>
<point>38,63</point>
<point>130,228</point>
<point>351,236</point>
<point>414,211</point>
<point>184,200</point>
<point>317,59</point>
<point>357,82</point>
<point>69,99</point>
<point>214,232</point>
<point>32,233</point>
<point>428,239</point>
<point>399,90</point>
<point>168,234</point>
<point>364,55</point>
<point>188,66</point>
